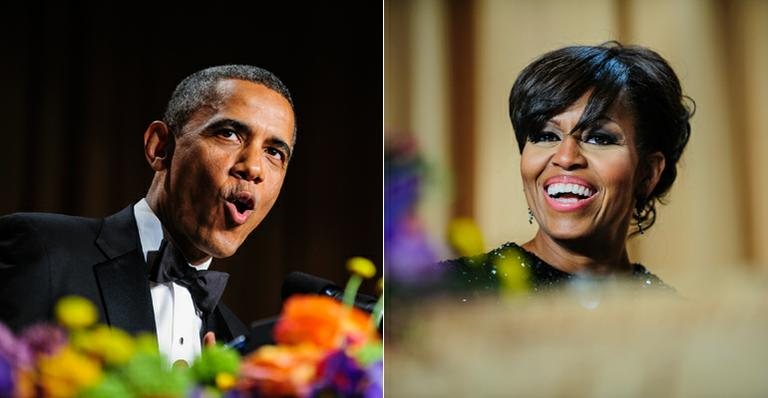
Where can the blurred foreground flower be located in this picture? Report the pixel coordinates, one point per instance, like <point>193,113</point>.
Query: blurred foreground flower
<point>325,348</point>
<point>514,276</point>
<point>44,339</point>
<point>361,266</point>
<point>408,248</point>
<point>7,382</point>
<point>217,366</point>
<point>67,372</point>
<point>286,370</point>
<point>112,346</point>
<point>75,312</point>
<point>323,322</point>
<point>465,237</point>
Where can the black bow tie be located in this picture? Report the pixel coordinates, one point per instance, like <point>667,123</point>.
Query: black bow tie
<point>168,264</point>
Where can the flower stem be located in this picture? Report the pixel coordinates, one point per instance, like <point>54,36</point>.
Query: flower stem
<point>351,290</point>
<point>378,312</point>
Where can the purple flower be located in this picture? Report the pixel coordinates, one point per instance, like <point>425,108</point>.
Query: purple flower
<point>6,377</point>
<point>44,338</point>
<point>411,257</point>
<point>14,351</point>
<point>208,391</point>
<point>410,252</point>
<point>341,375</point>
<point>374,388</point>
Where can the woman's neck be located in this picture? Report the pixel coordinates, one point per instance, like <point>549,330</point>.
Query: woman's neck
<point>581,256</point>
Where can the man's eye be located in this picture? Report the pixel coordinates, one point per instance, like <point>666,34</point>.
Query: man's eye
<point>228,134</point>
<point>543,136</point>
<point>276,153</point>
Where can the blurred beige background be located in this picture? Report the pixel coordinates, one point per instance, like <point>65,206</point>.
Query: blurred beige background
<point>449,66</point>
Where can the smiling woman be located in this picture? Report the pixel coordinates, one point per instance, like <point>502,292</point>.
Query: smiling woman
<point>600,130</point>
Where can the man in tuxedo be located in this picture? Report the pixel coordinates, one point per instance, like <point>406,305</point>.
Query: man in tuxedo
<point>220,155</point>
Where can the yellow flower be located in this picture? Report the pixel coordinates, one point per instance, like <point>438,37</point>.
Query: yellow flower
<point>146,343</point>
<point>75,312</point>
<point>114,346</point>
<point>514,277</point>
<point>361,266</point>
<point>225,381</point>
<point>67,372</point>
<point>465,237</point>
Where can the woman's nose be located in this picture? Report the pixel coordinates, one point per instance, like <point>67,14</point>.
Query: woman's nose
<point>568,155</point>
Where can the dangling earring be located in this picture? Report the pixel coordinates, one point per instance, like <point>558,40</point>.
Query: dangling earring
<point>530,216</point>
<point>636,215</point>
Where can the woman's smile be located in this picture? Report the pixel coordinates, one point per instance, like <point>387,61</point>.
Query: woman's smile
<point>568,193</point>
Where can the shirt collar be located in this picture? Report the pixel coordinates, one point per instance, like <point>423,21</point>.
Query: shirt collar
<point>151,231</point>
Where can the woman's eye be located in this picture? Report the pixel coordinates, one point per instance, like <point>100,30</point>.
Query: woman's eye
<point>543,136</point>
<point>599,138</point>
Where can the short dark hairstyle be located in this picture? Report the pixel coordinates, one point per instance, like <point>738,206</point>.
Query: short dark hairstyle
<point>199,89</point>
<point>637,76</point>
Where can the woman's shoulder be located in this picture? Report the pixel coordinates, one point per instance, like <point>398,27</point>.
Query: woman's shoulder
<point>512,264</point>
<point>648,280</point>
<point>507,265</point>
<point>475,272</point>
<point>509,249</point>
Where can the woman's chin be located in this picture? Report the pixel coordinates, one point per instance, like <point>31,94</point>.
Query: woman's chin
<point>568,231</point>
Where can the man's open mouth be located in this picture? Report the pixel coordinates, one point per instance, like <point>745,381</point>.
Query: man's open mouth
<point>240,205</point>
<point>569,192</point>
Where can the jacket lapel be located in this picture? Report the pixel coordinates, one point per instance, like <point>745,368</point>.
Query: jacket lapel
<point>226,325</point>
<point>123,279</point>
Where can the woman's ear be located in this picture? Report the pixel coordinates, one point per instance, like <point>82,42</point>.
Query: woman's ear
<point>158,145</point>
<point>656,163</point>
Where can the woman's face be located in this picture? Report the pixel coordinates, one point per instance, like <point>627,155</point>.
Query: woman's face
<point>582,184</point>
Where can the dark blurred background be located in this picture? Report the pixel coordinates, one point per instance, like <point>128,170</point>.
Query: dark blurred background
<point>83,81</point>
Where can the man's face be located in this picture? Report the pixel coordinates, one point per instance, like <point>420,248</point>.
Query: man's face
<point>227,168</point>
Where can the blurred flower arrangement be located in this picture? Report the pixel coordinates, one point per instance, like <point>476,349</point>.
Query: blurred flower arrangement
<point>409,250</point>
<point>413,257</point>
<point>324,348</point>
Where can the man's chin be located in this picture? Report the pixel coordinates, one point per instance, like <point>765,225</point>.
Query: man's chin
<point>223,249</point>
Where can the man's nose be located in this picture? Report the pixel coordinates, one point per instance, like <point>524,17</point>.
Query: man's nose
<point>249,164</point>
<point>568,155</point>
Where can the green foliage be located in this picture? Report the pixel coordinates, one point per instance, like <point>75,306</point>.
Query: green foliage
<point>214,360</point>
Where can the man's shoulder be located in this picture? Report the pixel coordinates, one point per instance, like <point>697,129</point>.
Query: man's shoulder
<point>48,223</point>
<point>55,227</point>
<point>47,217</point>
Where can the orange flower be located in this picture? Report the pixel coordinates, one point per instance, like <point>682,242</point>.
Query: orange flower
<point>281,370</point>
<point>324,322</point>
<point>67,372</point>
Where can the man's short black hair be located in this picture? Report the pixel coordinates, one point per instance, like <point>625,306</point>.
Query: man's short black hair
<point>199,89</point>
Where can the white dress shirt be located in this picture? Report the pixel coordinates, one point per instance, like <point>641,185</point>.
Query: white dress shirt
<point>178,322</point>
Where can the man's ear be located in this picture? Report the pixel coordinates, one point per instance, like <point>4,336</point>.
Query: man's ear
<point>158,145</point>
<point>656,163</point>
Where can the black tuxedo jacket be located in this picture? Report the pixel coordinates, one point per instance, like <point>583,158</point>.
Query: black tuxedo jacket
<point>44,257</point>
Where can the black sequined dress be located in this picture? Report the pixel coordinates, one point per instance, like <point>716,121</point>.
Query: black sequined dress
<point>482,274</point>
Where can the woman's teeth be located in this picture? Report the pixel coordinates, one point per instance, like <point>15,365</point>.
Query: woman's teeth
<point>560,188</point>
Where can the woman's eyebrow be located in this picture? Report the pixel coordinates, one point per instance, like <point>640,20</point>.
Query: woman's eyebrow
<point>554,122</point>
